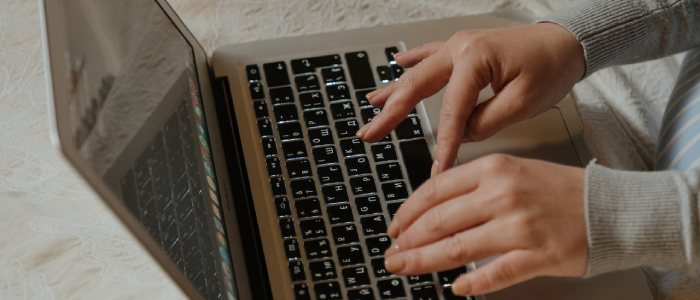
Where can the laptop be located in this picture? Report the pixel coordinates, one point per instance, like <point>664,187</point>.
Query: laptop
<point>240,173</point>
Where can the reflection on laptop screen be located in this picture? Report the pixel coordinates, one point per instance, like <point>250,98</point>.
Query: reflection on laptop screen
<point>137,120</point>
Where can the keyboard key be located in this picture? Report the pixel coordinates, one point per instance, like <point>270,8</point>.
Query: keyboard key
<point>261,109</point>
<point>449,276</point>
<point>311,229</point>
<point>283,207</point>
<point>360,70</point>
<point>291,249</point>
<point>356,276</point>
<point>316,118</point>
<point>287,227</point>
<point>311,100</point>
<point>301,292</point>
<point>352,147</point>
<point>361,97</point>
<point>395,191</point>
<point>386,152</point>
<point>384,73</point>
<point>378,268</point>
<point>281,95</point>
<point>318,249</point>
<point>322,270</point>
<point>299,168</point>
<point>346,129</point>
<point>324,155</point>
<point>409,129</point>
<point>350,255</point>
<point>447,293</point>
<point>276,74</point>
<point>417,160</point>
<point>252,72</point>
<point>294,150</point>
<point>333,75</point>
<point>342,110</point>
<point>391,288</point>
<point>390,52</point>
<point>361,294</point>
<point>396,71</point>
<point>357,166</point>
<point>308,208</point>
<point>337,92</point>
<point>376,246</point>
<point>393,207</point>
<point>335,194</point>
<point>296,270</point>
<point>265,127</point>
<point>340,214</point>
<point>256,90</point>
<point>284,113</point>
<point>290,131</point>
<point>273,166</point>
<point>328,291</point>
<point>373,225</point>
<point>369,113</point>
<point>307,83</point>
<point>330,174</point>
<point>303,188</point>
<point>320,137</point>
<point>368,205</point>
<point>279,188</point>
<point>416,279</point>
<point>389,171</point>
<point>309,64</point>
<point>345,234</point>
<point>426,292</point>
<point>363,185</point>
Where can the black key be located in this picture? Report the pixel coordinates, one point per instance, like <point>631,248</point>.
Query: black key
<point>291,249</point>
<point>361,294</point>
<point>303,188</point>
<point>342,110</point>
<point>369,113</point>
<point>416,279</point>
<point>363,185</point>
<point>171,130</point>
<point>261,109</point>
<point>352,147</point>
<point>426,292</point>
<point>391,288</point>
<point>361,98</point>
<point>273,166</point>
<point>386,152</point>
<point>299,168</point>
<point>324,155</point>
<point>396,71</point>
<point>337,92</point>
<point>276,74</point>
<point>279,188</point>
<point>330,174</point>
<point>328,291</point>
<point>290,131</point>
<point>307,83</point>
<point>350,255</point>
<point>318,249</point>
<point>281,95</point>
<point>395,191</point>
<point>449,276</point>
<point>378,268</point>
<point>376,246</point>
<point>309,65</point>
<point>311,100</point>
<point>358,166</point>
<point>285,113</point>
<point>389,171</point>
<point>316,118</point>
<point>447,293</point>
<point>308,208</point>
<point>287,228</point>
<point>340,214</point>
<point>296,270</point>
<point>333,75</point>
<point>294,150</point>
<point>256,90</point>
<point>301,292</point>
<point>322,270</point>
<point>373,225</point>
<point>417,160</point>
<point>409,129</point>
<point>384,73</point>
<point>347,128</point>
<point>360,70</point>
<point>356,276</point>
<point>335,194</point>
<point>345,234</point>
<point>265,127</point>
<point>311,229</point>
<point>283,207</point>
<point>269,146</point>
<point>368,205</point>
<point>252,72</point>
<point>393,208</point>
<point>320,137</point>
<point>390,52</point>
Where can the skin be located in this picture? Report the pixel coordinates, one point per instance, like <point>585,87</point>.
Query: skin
<point>530,212</point>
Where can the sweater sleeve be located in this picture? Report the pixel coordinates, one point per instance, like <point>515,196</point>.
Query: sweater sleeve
<point>615,32</point>
<point>642,219</point>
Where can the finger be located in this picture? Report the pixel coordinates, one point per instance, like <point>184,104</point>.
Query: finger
<point>379,99</point>
<point>509,269</point>
<point>412,57</point>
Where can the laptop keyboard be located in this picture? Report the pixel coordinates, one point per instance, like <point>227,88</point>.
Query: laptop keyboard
<point>335,194</point>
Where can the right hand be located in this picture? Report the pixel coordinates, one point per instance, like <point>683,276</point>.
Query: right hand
<point>530,69</point>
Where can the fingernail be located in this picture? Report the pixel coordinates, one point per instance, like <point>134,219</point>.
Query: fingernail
<point>394,229</point>
<point>435,169</point>
<point>461,286</point>
<point>397,55</point>
<point>372,94</point>
<point>361,133</point>
<point>393,249</point>
<point>394,263</point>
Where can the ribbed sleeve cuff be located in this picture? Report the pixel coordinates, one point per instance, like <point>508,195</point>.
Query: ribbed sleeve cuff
<point>607,29</point>
<point>633,219</point>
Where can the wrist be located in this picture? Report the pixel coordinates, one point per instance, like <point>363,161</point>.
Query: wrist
<point>566,48</point>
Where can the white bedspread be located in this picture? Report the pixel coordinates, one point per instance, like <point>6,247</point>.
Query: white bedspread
<point>58,241</point>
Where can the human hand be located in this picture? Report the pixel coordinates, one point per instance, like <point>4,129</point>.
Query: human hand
<point>530,69</point>
<point>529,211</point>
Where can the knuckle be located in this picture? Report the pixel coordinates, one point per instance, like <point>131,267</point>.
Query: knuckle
<point>505,273</point>
<point>495,163</point>
<point>430,190</point>
<point>409,80</point>
<point>455,249</point>
<point>414,261</point>
<point>434,220</point>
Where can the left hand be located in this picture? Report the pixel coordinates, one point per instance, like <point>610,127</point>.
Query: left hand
<point>529,211</point>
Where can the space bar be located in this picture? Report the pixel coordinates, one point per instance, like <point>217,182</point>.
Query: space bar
<point>418,161</point>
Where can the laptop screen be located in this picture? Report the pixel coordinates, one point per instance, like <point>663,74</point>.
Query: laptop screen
<point>138,121</point>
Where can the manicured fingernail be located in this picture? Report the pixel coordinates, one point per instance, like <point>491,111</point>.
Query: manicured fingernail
<point>393,249</point>
<point>435,169</point>
<point>394,263</point>
<point>397,55</point>
<point>371,95</point>
<point>361,133</point>
<point>461,286</point>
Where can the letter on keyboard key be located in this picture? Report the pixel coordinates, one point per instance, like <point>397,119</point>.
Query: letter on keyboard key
<point>311,100</point>
<point>408,129</point>
<point>276,74</point>
<point>391,288</point>
<point>360,70</point>
<point>350,255</point>
<point>356,276</point>
<point>338,92</point>
<point>418,161</point>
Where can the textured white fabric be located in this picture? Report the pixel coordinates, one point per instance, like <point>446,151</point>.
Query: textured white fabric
<point>59,241</point>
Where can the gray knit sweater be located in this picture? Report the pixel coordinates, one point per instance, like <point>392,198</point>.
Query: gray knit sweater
<point>638,218</point>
